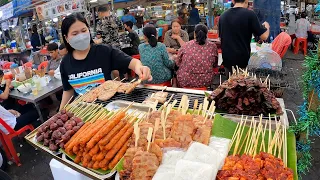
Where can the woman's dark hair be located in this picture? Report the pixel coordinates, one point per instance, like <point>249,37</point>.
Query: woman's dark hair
<point>176,21</point>
<point>126,11</point>
<point>201,32</point>
<point>151,33</point>
<point>62,46</point>
<point>67,22</point>
<point>303,15</point>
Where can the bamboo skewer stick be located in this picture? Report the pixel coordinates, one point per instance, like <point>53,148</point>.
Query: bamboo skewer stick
<point>200,107</point>
<point>195,106</point>
<point>247,142</point>
<point>240,136</point>
<point>64,107</point>
<point>136,134</point>
<point>149,136</point>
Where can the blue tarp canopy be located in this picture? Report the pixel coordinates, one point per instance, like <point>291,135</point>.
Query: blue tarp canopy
<point>18,6</point>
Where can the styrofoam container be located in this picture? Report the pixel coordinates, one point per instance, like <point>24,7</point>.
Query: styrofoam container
<point>60,171</point>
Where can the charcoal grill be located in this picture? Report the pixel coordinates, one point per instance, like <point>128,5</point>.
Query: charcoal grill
<point>141,93</point>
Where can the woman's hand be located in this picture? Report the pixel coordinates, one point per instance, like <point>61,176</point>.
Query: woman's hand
<point>143,72</point>
<point>172,50</point>
<point>14,112</point>
<point>175,36</point>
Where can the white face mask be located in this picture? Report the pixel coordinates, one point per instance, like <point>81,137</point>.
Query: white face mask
<point>80,42</point>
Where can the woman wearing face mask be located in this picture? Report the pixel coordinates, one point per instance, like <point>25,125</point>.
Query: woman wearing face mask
<point>87,65</point>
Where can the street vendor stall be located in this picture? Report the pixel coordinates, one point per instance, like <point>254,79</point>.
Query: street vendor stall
<point>127,128</point>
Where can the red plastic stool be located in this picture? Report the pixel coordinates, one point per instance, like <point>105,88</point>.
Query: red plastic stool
<point>6,140</point>
<point>304,42</point>
<point>43,65</point>
<point>28,64</point>
<point>167,83</point>
<point>7,65</point>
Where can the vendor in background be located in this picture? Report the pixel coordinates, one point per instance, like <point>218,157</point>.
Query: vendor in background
<point>175,38</point>
<point>235,33</point>
<point>87,65</point>
<point>194,17</point>
<point>196,60</point>
<point>37,42</point>
<point>302,27</point>
<point>128,17</point>
<point>135,40</point>
<point>183,14</point>
<point>109,26</point>
<point>55,60</point>
<point>155,56</point>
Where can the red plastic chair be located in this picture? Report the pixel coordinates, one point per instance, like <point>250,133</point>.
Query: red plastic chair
<point>167,83</point>
<point>43,65</point>
<point>304,47</point>
<point>6,140</point>
<point>213,36</point>
<point>200,88</point>
<point>7,65</point>
<point>28,64</point>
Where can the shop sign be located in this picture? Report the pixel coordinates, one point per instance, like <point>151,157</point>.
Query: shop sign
<point>6,11</point>
<point>57,8</point>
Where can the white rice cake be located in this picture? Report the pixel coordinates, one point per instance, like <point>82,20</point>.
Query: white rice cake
<point>221,145</point>
<point>188,170</point>
<point>165,172</point>
<point>172,157</point>
<point>202,153</point>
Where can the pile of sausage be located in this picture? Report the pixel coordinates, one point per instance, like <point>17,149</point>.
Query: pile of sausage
<point>58,130</point>
<point>101,144</point>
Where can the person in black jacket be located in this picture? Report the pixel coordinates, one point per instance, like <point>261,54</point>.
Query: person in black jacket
<point>36,42</point>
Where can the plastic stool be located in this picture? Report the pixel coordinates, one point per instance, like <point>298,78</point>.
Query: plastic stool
<point>304,42</point>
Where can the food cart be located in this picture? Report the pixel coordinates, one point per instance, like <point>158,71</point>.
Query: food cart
<point>138,96</point>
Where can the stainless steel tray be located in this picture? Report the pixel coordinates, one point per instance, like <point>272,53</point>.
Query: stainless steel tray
<point>138,107</point>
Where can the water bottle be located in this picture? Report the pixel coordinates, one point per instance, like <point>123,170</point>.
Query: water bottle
<point>271,39</point>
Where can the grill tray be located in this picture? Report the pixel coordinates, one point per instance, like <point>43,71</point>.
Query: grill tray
<point>140,94</point>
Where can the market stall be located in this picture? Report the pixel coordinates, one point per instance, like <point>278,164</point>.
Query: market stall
<point>103,132</point>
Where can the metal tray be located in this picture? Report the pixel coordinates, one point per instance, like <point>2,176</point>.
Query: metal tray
<point>139,107</point>
<point>59,157</point>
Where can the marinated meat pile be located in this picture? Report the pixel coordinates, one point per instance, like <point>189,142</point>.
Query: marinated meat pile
<point>180,129</point>
<point>261,167</point>
<point>108,89</point>
<point>139,164</point>
<point>245,95</point>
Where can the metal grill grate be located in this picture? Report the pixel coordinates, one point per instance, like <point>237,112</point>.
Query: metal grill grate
<point>140,94</point>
